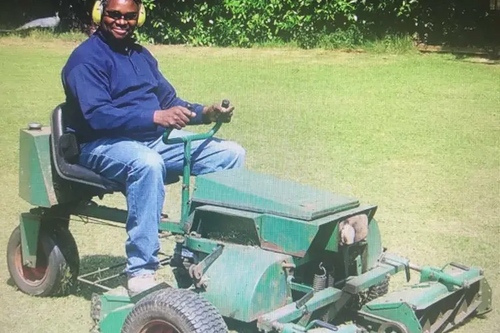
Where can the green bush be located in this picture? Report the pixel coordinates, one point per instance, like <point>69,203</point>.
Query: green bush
<point>306,23</point>
<point>391,43</point>
<point>349,38</point>
<point>309,23</point>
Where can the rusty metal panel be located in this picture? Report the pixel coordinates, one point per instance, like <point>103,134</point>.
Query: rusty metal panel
<point>284,235</point>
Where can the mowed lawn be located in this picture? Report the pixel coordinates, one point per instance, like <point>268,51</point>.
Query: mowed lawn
<point>417,135</point>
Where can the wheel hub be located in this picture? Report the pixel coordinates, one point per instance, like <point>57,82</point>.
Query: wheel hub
<point>32,275</point>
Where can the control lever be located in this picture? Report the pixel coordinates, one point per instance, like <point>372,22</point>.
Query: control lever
<point>225,104</point>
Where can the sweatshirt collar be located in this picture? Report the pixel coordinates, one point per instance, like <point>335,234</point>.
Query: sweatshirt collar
<point>125,47</point>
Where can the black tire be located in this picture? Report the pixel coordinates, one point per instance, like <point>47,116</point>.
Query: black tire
<point>56,267</point>
<point>174,311</point>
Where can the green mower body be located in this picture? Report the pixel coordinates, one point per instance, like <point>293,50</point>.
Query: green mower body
<point>262,250</point>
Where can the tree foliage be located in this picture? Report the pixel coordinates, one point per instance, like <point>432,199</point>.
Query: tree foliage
<point>245,22</point>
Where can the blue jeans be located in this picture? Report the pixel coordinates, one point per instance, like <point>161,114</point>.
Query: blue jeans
<point>141,169</point>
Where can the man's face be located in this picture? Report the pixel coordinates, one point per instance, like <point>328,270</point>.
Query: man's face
<point>120,18</point>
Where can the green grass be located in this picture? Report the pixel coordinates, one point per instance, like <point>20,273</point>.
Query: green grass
<point>349,40</point>
<point>418,135</point>
<point>391,44</point>
<point>43,35</point>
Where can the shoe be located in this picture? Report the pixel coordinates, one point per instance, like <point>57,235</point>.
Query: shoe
<point>140,283</point>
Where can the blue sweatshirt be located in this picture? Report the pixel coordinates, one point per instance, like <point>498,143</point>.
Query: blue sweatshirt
<point>114,91</point>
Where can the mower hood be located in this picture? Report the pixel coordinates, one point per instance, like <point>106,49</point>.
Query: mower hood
<point>254,192</point>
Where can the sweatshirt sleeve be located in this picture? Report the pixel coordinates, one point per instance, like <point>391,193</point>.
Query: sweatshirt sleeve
<point>90,87</point>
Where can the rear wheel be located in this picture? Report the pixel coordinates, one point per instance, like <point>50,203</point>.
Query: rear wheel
<point>56,267</point>
<point>174,311</point>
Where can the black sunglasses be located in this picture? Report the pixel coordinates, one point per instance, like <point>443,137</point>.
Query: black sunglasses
<point>116,15</point>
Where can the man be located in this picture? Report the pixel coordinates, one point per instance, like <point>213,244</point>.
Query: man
<point>118,105</point>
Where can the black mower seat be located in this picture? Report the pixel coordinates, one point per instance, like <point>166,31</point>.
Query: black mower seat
<point>65,151</point>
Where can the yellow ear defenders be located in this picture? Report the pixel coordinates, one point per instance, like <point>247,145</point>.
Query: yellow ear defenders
<point>98,9</point>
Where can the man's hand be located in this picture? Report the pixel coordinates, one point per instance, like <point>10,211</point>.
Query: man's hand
<point>176,117</point>
<point>214,112</point>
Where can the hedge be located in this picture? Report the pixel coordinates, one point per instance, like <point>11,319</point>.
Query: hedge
<point>246,22</point>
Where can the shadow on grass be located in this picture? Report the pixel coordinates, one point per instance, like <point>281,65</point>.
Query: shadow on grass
<point>236,326</point>
<point>489,59</point>
<point>102,267</point>
<point>11,283</point>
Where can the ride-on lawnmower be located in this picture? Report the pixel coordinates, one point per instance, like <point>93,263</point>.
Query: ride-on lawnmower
<point>249,247</point>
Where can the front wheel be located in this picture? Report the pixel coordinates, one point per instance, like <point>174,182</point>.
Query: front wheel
<point>174,311</point>
<point>56,266</point>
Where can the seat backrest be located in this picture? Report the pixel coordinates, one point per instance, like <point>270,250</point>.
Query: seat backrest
<point>67,144</point>
<point>65,151</point>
